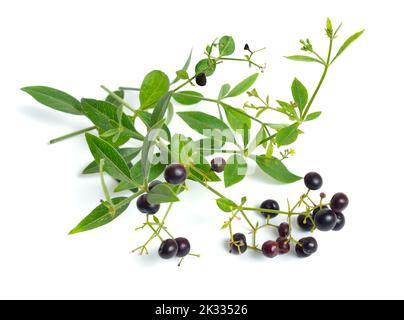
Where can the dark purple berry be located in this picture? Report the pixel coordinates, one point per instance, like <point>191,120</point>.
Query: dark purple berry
<point>218,164</point>
<point>300,253</point>
<point>305,222</point>
<point>184,247</point>
<point>145,207</point>
<point>270,249</point>
<point>283,230</point>
<point>168,249</point>
<point>317,210</point>
<point>201,79</point>
<point>313,181</point>
<point>239,244</point>
<point>339,202</point>
<point>325,219</point>
<point>309,245</point>
<point>284,245</point>
<point>175,174</point>
<point>272,205</point>
<point>154,183</point>
<point>246,47</point>
<point>340,221</point>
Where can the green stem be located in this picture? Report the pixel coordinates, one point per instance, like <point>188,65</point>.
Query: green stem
<point>127,105</point>
<point>103,184</point>
<point>73,134</point>
<point>240,59</point>
<point>326,66</point>
<point>268,210</point>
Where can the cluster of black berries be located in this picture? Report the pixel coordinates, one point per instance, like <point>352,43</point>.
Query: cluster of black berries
<point>322,218</point>
<point>178,247</point>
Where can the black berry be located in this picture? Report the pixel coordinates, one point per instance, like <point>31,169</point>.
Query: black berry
<point>284,245</point>
<point>272,205</point>
<point>313,181</point>
<point>154,183</point>
<point>239,244</point>
<point>201,79</point>
<point>218,164</point>
<point>184,247</point>
<point>168,249</point>
<point>270,249</point>
<point>145,207</point>
<point>339,202</point>
<point>300,253</point>
<point>340,221</point>
<point>283,230</point>
<point>246,47</point>
<point>309,245</point>
<point>317,210</point>
<point>175,174</point>
<point>325,219</point>
<point>305,223</point>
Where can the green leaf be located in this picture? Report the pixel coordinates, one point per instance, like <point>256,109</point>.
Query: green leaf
<point>105,116</point>
<point>115,164</point>
<point>113,100</point>
<point>235,170</point>
<point>99,217</point>
<point>278,126</point>
<point>136,173</point>
<point>287,135</point>
<point>260,138</point>
<point>162,193</point>
<point>182,74</point>
<point>236,117</point>
<point>148,146</point>
<point>161,108</point>
<point>223,91</point>
<point>243,86</point>
<point>312,116</point>
<point>347,43</point>
<point>154,86</point>
<point>170,113</point>
<point>205,66</point>
<point>146,117</point>
<point>200,121</point>
<point>287,107</point>
<point>276,169</point>
<point>303,58</point>
<point>226,205</point>
<point>203,172</point>
<point>54,99</point>
<point>127,153</point>
<point>226,46</point>
<point>300,94</point>
<point>187,97</point>
<point>184,68</point>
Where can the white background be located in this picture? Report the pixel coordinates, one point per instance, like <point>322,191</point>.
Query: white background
<point>356,145</point>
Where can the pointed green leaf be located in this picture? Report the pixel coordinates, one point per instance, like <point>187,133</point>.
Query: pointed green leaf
<point>154,86</point>
<point>54,99</point>
<point>243,86</point>
<point>226,205</point>
<point>236,117</point>
<point>161,108</point>
<point>223,91</point>
<point>303,58</point>
<point>312,116</point>
<point>347,43</point>
<point>184,68</point>
<point>99,217</point>
<point>203,172</point>
<point>235,170</point>
<point>276,169</point>
<point>162,193</point>
<point>287,135</point>
<point>115,164</point>
<point>200,121</point>
<point>187,97</point>
<point>127,153</point>
<point>300,94</point>
<point>226,46</point>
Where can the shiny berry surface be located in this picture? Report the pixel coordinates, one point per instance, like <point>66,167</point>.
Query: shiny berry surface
<point>270,249</point>
<point>201,79</point>
<point>145,207</point>
<point>305,223</point>
<point>270,204</point>
<point>340,221</point>
<point>325,220</point>
<point>339,202</point>
<point>184,247</point>
<point>168,249</point>
<point>300,253</point>
<point>218,164</point>
<point>313,181</point>
<point>239,244</point>
<point>175,174</point>
<point>283,230</point>
<point>284,245</point>
<point>309,245</point>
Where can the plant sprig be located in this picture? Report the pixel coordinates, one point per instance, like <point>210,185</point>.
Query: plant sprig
<point>113,120</point>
